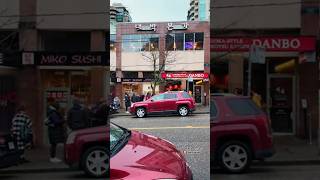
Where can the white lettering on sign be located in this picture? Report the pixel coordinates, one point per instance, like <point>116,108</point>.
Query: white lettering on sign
<point>277,43</point>
<point>150,27</point>
<point>182,26</point>
<point>50,59</point>
<point>89,59</point>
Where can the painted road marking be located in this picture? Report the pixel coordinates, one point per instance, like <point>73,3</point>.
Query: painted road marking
<point>181,127</point>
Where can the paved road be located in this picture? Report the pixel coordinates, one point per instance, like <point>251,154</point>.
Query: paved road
<point>63,175</point>
<point>190,134</point>
<point>311,172</point>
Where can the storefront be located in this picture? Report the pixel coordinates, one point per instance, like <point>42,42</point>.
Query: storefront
<point>275,74</point>
<point>192,82</point>
<point>162,47</point>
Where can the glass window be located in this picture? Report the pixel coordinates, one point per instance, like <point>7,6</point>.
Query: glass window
<point>113,42</point>
<point>213,109</point>
<point>154,42</point>
<point>199,41</point>
<point>170,42</point>
<point>189,41</point>
<point>145,41</point>
<point>186,95</point>
<point>131,43</point>
<point>170,96</point>
<point>243,107</point>
<point>179,39</point>
<point>158,97</point>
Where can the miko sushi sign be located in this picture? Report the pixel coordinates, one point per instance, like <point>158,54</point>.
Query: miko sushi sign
<point>290,43</point>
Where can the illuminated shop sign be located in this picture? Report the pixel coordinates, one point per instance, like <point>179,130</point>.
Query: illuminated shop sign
<point>181,26</point>
<point>150,27</point>
<point>71,59</point>
<point>185,75</point>
<point>298,44</point>
<point>136,80</point>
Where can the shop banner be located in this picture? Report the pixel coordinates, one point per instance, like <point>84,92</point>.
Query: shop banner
<point>272,43</point>
<point>185,75</point>
<point>136,80</point>
<point>65,58</point>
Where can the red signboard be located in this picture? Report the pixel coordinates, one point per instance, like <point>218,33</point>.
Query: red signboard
<point>297,44</point>
<point>185,75</point>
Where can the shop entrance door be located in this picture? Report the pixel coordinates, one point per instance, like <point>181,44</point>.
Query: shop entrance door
<point>281,103</point>
<point>60,95</point>
<point>198,94</point>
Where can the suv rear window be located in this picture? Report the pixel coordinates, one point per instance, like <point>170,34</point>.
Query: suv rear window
<point>243,107</point>
<point>170,96</point>
<point>213,110</point>
<point>186,95</point>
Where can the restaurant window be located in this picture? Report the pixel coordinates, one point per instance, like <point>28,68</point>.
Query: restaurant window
<point>179,39</point>
<point>170,42</point>
<point>137,42</point>
<point>189,41</point>
<point>113,42</point>
<point>199,38</point>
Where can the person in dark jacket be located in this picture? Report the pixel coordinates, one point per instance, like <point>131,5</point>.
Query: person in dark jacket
<point>78,116</point>
<point>55,123</point>
<point>127,101</point>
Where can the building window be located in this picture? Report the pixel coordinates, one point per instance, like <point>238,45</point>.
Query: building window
<point>199,37</point>
<point>184,41</point>
<point>113,42</point>
<point>137,42</point>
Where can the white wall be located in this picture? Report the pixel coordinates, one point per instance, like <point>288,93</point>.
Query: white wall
<point>187,61</point>
<point>85,22</point>
<point>254,17</point>
<point>134,61</point>
<point>113,60</point>
<point>9,7</point>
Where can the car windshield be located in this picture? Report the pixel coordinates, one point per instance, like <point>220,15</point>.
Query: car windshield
<point>118,137</point>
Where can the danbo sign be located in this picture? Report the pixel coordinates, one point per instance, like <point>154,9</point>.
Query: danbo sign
<point>297,44</point>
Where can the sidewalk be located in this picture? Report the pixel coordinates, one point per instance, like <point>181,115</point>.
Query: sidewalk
<point>199,110</point>
<point>39,158</point>
<point>291,150</point>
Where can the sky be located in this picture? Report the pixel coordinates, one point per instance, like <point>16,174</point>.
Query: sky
<point>156,10</point>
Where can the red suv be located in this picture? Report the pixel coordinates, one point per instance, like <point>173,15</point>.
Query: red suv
<point>177,102</point>
<point>240,133</point>
<point>88,150</point>
<point>135,155</point>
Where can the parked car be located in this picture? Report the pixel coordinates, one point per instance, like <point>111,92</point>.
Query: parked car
<point>9,153</point>
<point>135,155</point>
<point>87,149</point>
<point>176,102</point>
<point>240,133</point>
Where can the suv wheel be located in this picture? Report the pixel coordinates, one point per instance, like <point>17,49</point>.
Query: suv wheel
<point>95,161</point>
<point>141,112</point>
<point>183,111</point>
<point>235,156</point>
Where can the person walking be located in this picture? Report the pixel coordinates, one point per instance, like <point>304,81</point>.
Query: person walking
<point>22,131</point>
<point>133,98</point>
<point>78,116</point>
<point>56,131</point>
<point>148,96</point>
<point>127,101</point>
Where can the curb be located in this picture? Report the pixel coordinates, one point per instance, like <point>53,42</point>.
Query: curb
<point>122,114</point>
<point>47,170</point>
<point>288,163</point>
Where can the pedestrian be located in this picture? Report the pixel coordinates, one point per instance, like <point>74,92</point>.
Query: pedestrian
<point>142,97</point>
<point>148,96</point>
<point>127,101</point>
<point>102,113</point>
<point>56,131</point>
<point>22,131</point>
<point>133,98</point>
<point>77,117</point>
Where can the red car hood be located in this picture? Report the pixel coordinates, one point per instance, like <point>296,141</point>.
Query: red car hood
<point>147,158</point>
